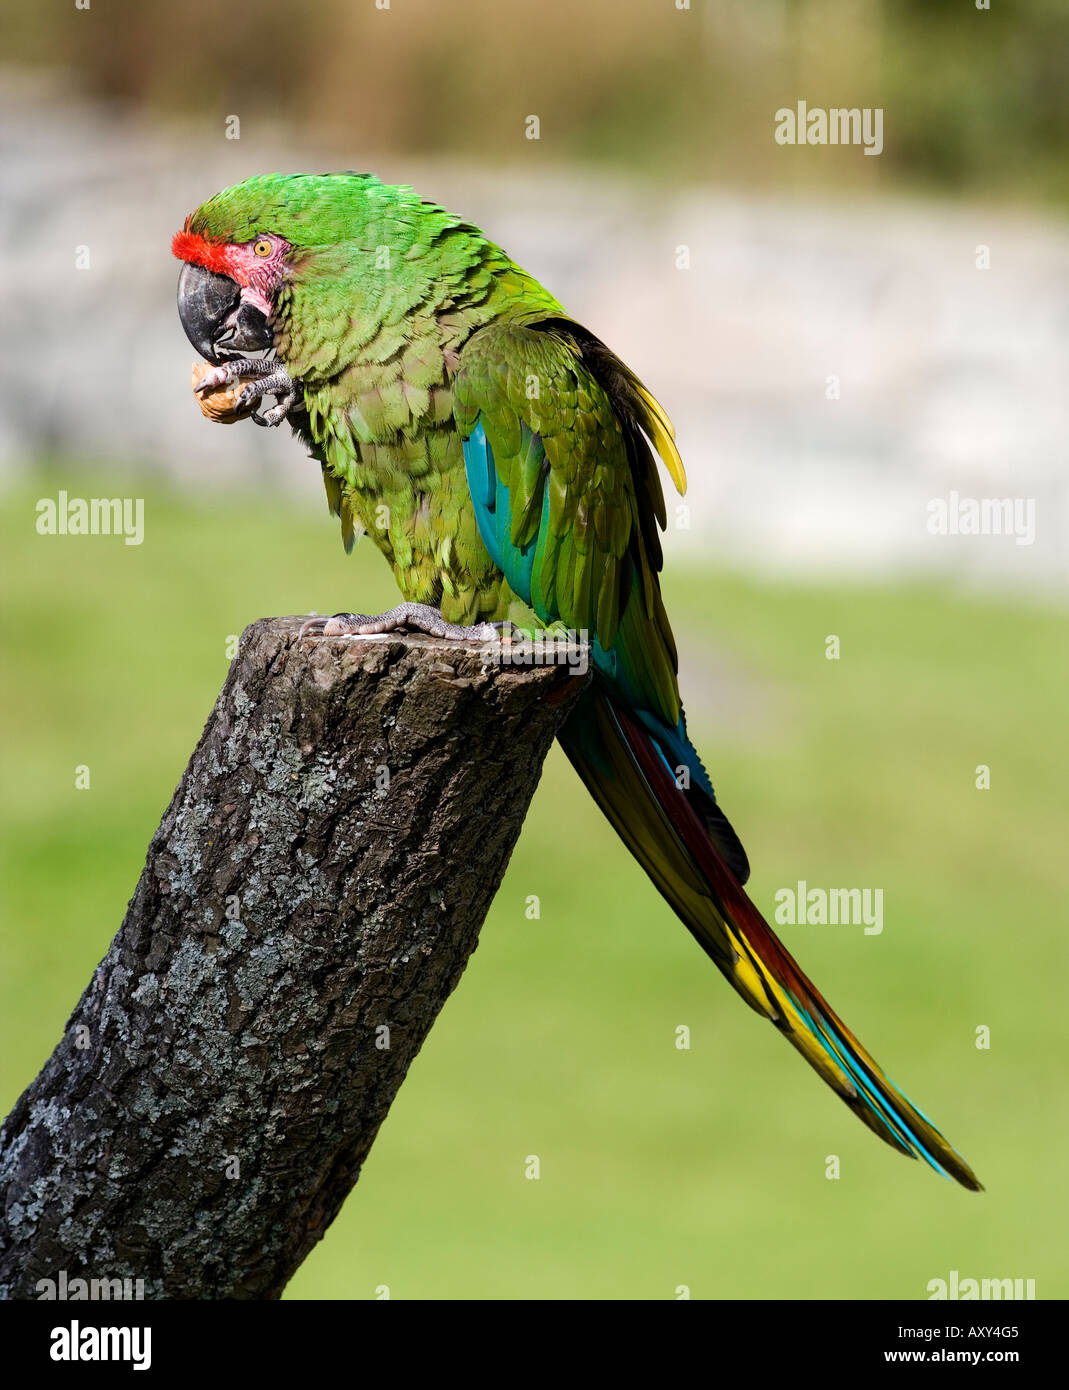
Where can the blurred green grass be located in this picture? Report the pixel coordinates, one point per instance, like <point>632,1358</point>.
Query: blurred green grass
<point>659,1167</point>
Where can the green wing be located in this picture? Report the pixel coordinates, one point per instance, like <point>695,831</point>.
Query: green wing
<point>566,492</point>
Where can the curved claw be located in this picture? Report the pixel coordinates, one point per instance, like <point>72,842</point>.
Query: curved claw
<point>218,376</point>
<point>509,633</point>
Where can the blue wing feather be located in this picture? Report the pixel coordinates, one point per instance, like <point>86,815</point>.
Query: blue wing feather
<point>493,514</point>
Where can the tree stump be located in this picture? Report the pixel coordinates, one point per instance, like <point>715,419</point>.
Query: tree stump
<point>307,905</point>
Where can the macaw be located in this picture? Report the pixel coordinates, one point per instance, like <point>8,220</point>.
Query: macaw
<point>502,459</point>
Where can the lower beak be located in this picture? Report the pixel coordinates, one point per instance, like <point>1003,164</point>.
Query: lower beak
<point>216,320</point>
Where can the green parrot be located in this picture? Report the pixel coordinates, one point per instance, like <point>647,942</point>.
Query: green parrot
<point>502,458</point>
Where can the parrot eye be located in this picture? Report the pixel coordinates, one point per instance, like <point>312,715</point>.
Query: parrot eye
<point>262,247</point>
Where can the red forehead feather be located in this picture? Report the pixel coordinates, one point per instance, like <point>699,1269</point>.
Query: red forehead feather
<point>198,250</point>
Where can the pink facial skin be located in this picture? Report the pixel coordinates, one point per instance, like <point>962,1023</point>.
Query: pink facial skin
<point>258,276</point>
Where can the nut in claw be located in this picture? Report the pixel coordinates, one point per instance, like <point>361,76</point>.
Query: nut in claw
<point>221,403</point>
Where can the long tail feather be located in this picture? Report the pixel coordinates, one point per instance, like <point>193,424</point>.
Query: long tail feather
<point>628,775</point>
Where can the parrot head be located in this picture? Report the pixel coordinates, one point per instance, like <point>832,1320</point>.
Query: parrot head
<point>235,257</point>
<point>226,291</point>
<point>237,250</point>
<point>241,247</point>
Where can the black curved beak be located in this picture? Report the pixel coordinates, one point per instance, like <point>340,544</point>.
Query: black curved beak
<point>215,320</point>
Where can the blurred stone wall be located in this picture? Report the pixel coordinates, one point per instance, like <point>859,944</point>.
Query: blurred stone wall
<point>949,377</point>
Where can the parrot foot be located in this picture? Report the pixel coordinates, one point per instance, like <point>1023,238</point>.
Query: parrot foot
<point>270,380</point>
<point>412,617</point>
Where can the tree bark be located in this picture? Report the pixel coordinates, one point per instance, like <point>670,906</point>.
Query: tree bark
<point>308,903</point>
